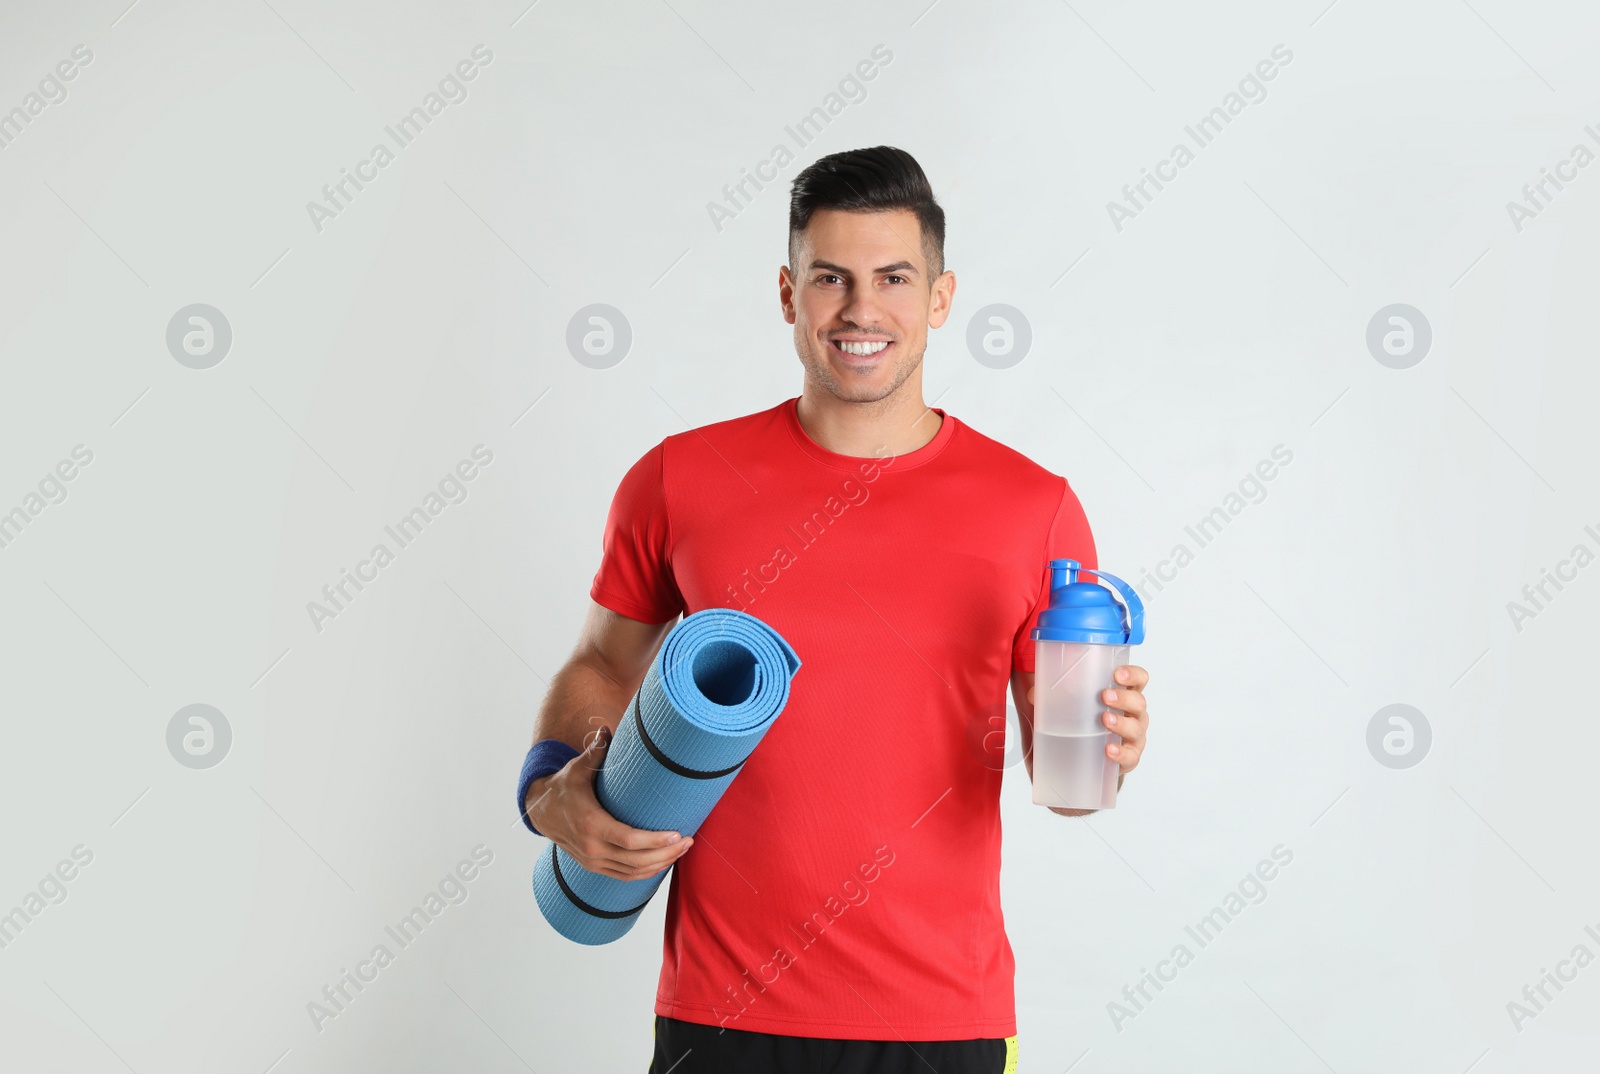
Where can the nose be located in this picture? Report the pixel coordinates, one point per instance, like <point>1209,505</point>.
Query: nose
<point>862,308</point>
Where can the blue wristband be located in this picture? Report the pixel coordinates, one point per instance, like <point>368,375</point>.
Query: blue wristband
<point>547,755</point>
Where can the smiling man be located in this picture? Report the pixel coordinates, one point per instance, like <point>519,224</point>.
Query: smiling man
<point>842,911</point>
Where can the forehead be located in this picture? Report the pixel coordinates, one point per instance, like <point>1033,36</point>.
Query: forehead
<point>862,240</point>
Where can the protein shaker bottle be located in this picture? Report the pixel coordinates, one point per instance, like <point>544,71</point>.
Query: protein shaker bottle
<point>1082,637</point>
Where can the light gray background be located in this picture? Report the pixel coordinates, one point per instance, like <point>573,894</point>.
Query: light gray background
<point>367,359</point>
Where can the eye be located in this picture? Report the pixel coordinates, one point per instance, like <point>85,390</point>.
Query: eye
<point>828,276</point>
<point>902,279</point>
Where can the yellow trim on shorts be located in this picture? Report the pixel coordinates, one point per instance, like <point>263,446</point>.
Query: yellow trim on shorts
<point>1011,1056</point>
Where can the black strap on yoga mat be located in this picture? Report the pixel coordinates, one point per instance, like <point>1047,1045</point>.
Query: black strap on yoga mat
<point>671,766</point>
<point>572,896</point>
<point>667,762</point>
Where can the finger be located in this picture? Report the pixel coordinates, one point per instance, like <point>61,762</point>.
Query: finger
<point>594,754</point>
<point>639,867</point>
<point>1126,755</point>
<point>644,859</point>
<point>597,856</point>
<point>1127,726</point>
<point>1132,676</point>
<point>603,869</point>
<point>1130,701</point>
<point>622,837</point>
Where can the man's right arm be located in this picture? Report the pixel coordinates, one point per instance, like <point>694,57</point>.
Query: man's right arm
<point>583,707</point>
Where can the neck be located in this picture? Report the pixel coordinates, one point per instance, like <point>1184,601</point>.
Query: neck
<point>897,424</point>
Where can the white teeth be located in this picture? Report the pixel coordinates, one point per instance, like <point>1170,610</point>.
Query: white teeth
<point>861,350</point>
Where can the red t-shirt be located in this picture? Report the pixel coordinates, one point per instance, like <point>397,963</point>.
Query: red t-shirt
<point>847,885</point>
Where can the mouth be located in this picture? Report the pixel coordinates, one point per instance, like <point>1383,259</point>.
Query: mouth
<point>860,352</point>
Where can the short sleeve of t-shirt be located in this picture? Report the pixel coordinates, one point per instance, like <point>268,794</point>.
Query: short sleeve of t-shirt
<point>1069,538</point>
<point>635,576</point>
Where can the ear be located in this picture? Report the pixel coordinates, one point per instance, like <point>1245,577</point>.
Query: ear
<point>944,293</point>
<point>786,293</point>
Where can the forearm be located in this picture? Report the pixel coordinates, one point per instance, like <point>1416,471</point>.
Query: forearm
<point>594,686</point>
<point>592,689</point>
<point>582,699</point>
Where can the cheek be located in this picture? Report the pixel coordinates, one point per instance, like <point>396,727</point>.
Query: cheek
<point>910,314</point>
<point>812,309</point>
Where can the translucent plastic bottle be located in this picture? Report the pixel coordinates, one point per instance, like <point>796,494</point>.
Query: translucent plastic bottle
<point>1081,639</point>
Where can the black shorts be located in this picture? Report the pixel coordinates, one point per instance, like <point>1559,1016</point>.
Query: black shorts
<point>691,1048</point>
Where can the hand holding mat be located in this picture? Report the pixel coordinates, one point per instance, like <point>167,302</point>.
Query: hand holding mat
<point>719,681</point>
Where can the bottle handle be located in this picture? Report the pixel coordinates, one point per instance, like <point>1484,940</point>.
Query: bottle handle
<point>1131,599</point>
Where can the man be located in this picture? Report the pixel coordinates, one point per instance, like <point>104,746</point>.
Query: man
<point>844,911</point>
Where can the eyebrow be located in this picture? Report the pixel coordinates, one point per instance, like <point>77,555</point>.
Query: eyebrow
<point>905,267</point>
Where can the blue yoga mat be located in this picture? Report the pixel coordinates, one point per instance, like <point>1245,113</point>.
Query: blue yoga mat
<point>719,681</point>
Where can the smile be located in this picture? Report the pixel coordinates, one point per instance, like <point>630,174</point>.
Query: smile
<point>862,349</point>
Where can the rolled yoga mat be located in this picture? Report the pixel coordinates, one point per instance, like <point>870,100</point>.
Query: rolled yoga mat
<point>719,681</point>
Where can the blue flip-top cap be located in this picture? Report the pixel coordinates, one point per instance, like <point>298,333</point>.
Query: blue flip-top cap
<point>1087,611</point>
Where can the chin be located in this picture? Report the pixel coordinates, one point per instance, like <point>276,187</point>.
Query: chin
<point>863,394</point>
<point>851,385</point>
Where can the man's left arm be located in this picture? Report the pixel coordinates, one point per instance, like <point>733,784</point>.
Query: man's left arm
<point>1125,713</point>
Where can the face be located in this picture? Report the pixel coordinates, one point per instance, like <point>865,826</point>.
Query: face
<point>861,302</point>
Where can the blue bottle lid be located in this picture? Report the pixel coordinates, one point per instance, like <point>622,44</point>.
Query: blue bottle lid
<point>1087,611</point>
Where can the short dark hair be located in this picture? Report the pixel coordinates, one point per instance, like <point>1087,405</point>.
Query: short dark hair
<point>874,180</point>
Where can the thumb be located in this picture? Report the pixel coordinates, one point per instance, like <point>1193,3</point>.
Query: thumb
<point>595,754</point>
